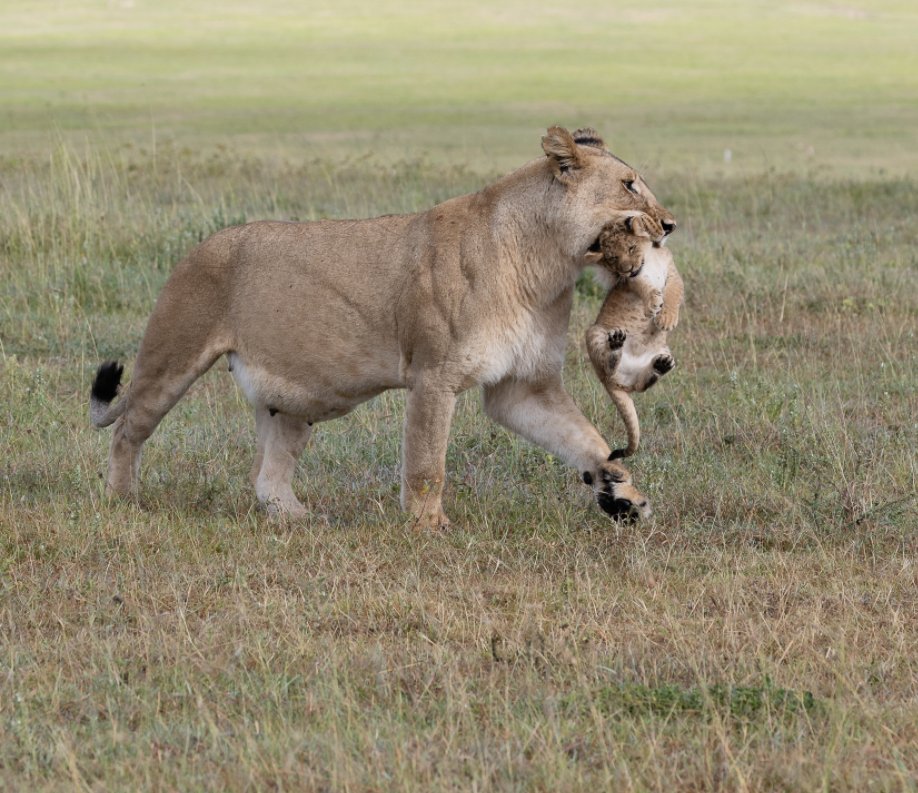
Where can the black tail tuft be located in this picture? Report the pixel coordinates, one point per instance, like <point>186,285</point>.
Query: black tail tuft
<point>108,378</point>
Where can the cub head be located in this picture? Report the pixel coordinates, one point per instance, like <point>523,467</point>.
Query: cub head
<point>595,188</point>
<point>623,243</point>
<point>616,494</point>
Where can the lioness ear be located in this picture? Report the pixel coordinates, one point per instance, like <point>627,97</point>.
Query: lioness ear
<point>561,149</point>
<point>587,136</point>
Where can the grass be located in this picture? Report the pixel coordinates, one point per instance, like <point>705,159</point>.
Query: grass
<point>758,633</point>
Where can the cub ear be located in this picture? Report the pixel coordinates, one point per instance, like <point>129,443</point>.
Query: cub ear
<point>638,225</point>
<point>561,149</point>
<point>587,136</point>
<point>593,255</point>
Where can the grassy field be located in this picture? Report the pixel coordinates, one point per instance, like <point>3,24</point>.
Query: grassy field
<point>760,632</point>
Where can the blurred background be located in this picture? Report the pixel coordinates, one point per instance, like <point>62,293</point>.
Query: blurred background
<point>711,85</point>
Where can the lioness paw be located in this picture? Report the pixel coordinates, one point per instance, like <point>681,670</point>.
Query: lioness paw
<point>615,493</point>
<point>431,521</point>
<point>284,510</point>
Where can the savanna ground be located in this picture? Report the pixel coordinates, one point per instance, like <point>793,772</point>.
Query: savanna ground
<point>760,632</point>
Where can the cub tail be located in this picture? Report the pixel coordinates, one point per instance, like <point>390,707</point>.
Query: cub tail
<point>105,388</point>
<point>625,405</point>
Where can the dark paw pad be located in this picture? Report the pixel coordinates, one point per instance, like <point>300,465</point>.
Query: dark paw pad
<point>618,454</point>
<point>620,509</point>
<point>663,364</point>
<point>616,339</point>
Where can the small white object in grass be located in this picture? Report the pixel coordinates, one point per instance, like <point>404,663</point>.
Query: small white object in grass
<point>728,155</point>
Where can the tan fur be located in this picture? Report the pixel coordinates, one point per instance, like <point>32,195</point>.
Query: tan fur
<point>316,318</point>
<point>627,344</point>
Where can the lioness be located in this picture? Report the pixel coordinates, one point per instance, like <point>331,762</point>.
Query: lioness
<point>317,317</point>
<point>628,343</point>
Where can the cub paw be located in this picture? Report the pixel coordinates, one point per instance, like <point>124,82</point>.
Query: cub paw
<point>663,364</point>
<point>616,339</point>
<point>655,303</point>
<point>667,319</point>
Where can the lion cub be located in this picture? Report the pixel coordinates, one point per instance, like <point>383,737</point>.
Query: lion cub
<point>627,344</point>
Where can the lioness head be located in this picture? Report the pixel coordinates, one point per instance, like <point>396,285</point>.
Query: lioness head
<point>597,188</point>
<point>624,242</point>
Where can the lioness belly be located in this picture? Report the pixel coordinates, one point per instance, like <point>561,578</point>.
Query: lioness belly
<point>317,398</point>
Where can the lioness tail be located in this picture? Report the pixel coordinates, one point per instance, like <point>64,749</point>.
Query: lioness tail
<point>104,389</point>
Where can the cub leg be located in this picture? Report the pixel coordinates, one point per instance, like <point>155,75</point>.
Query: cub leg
<point>545,414</point>
<point>663,363</point>
<point>428,415</point>
<point>652,297</point>
<point>673,295</point>
<point>281,440</point>
<point>659,366</point>
<point>604,348</point>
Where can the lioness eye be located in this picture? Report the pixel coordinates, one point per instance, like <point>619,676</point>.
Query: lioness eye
<point>629,186</point>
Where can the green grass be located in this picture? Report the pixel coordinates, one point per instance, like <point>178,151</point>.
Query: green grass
<point>758,633</point>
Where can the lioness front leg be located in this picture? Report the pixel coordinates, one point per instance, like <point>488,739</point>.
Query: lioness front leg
<point>545,414</point>
<point>428,415</point>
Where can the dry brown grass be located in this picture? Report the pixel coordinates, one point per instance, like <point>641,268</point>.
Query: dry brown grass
<point>759,633</point>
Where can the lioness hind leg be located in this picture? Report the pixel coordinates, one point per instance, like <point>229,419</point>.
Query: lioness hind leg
<point>183,339</point>
<point>151,394</point>
<point>281,440</point>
